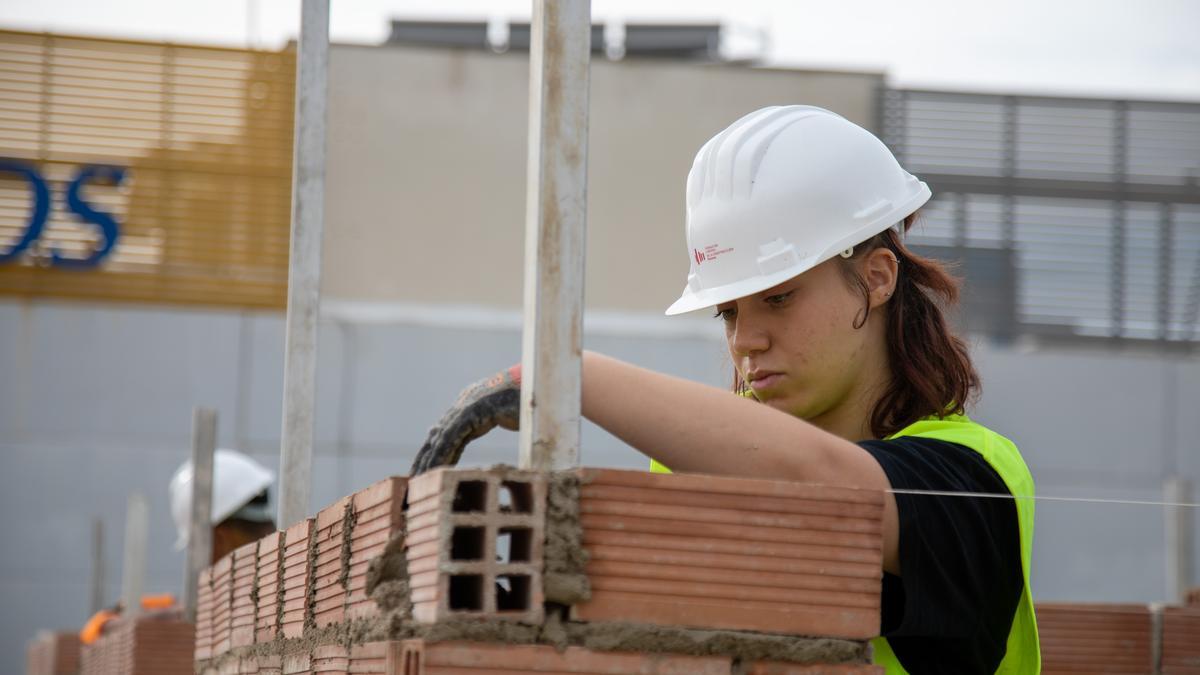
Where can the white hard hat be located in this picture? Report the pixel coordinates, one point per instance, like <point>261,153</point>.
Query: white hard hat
<point>237,480</point>
<point>780,191</point>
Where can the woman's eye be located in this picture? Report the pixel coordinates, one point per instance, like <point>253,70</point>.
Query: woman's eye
<point>778,299</point>
<point>725,315</point>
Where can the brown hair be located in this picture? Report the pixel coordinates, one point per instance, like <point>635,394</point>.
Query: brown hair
<point>932,372</point>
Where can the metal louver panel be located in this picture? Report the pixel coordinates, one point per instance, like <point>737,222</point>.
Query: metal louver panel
<point>1098,200</point>
<point>204,138</point>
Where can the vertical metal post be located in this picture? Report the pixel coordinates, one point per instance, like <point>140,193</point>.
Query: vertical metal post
<point>304,274</point>
<point>1117,238</point>
<point>97,565</point>
<point>1179,542</point>
<point>134,569</point>
<point>1166,240</point>
<point>555,233</point>
<point>199,545</point>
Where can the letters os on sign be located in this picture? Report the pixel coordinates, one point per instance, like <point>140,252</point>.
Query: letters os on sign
<point>40,212</point>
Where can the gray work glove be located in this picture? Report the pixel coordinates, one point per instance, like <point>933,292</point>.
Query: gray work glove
<point>480,408</point>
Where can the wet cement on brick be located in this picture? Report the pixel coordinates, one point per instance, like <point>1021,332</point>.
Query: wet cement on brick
<point>564,580</point>
<point>348,520</point>
<point>565,584</point>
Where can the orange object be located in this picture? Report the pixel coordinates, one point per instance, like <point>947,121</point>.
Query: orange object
<point>163,601</point>
<point>95,626</point>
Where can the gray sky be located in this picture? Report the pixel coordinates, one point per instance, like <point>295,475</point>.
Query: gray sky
<point>1142,49</point>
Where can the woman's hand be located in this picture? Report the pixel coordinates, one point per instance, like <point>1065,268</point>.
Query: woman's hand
<point>495,401</point>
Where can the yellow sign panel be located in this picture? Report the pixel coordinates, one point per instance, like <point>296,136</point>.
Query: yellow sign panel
<point>147,172</point>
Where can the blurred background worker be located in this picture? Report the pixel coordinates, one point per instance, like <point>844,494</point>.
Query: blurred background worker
<point>241,512</point>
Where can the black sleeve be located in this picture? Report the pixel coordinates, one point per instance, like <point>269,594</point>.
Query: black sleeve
<point>951,608</point>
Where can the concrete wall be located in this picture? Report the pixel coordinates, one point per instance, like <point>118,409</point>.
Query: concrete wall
<point>96,402</point>
<point>427,158</point>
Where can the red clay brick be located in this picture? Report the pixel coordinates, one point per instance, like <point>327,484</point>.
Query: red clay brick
<point>782,668</point>
<point>297,577</point>
<point>731,553</point>
<point>245,563</point>
<point>222,615</point>
<point>328,589</point>
<point>374,657</point>
<point>204,614</point>
<point>270,558</point>
<point>418,657</point>
<point>270,665</point>
<point>1181,640</point>
<point>456,521</point>
<point>146,646</point>
<point>248,666</point>
<point>1094,638</point>
<point>330,659</point>
<point>52,653</point>
<point>297,664</point>
<point>378,516</point>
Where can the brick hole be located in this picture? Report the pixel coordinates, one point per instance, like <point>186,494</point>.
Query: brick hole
<point>466,543</point>
<point>516,497</point>
<point>470,495</point>
<point>466,593</point>
<point>512,592</point>
<point>514,544</point>
<point>412,662</point>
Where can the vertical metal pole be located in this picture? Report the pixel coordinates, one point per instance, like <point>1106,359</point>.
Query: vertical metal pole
<point>1117,238</point>
<point>199,546</point>
<point>97,565</point>
<point>134,569</point>
<point>304,275</point>
<point>1178,490</point>
<point>555,233</point>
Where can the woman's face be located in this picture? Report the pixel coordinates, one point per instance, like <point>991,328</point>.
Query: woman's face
<point>796,345</point>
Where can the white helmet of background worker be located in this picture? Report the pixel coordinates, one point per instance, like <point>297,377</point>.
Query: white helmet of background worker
<point>780,191</point>
<point>237,481</point>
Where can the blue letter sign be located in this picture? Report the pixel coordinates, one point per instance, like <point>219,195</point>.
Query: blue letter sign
<point>109,229</point>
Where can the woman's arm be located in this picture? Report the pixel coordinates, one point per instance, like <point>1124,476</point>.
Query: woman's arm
<point>696,428</point>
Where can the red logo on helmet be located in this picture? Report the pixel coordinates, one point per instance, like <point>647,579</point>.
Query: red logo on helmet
<point>698,255</point>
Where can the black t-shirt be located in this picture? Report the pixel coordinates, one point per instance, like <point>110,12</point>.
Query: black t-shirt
<point>951,608</point>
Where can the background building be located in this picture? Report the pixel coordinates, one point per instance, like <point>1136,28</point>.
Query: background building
<point>1076,222</point>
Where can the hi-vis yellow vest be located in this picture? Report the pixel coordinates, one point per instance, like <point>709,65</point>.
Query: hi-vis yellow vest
<point>1023,656</point>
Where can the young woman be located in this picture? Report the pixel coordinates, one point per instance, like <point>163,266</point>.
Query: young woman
<point>847,373</point>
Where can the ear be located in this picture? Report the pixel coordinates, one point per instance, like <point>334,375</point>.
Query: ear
<point>881,271</point>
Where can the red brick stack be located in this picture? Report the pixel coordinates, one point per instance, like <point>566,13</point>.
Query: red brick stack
<point>758,559</point>
<point>1181,640</point>
<point>1095,638</point>
<point>149,645</point>
<point>53,654</point>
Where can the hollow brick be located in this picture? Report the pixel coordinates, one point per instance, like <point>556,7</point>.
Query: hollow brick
<point>296,578</point>
<point>222,619</point>
<point>328,588</point>
<point>243,610</point>
<point>731,553</point>
<point>1110,638</point>
<point>457,522</point>
<point>1181,640</point>
<point>418,657</point>
<point>378,515</point>
<point>270,558</point>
